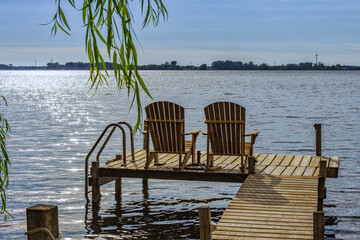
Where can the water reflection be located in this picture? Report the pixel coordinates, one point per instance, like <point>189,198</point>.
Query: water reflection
<point>148,218</point>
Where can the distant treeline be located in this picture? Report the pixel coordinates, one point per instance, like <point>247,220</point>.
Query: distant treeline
<point>216,65</point>
<point>86,66</point>
<point>238,65</point>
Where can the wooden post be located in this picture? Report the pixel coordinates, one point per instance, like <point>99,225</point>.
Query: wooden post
<point>251,166</point>
<point>118,188</point>
<point>145,136</point>
<point>42,216</point>
<point>95,182</point>
<point>205,223</point>
<point>145,188</point>
<point>318,139</point>
<point>321,185</point>
<point>319,225</point>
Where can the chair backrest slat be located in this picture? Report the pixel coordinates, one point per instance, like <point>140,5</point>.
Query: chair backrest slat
<point>226,127</point>
<point>165,121</point>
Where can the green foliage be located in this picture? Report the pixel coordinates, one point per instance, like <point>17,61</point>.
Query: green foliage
<point>109,23</point>
<point>4,162</point>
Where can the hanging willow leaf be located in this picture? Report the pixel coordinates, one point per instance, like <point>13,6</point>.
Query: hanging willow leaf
<point>101,19</point>
<point>4,161</point>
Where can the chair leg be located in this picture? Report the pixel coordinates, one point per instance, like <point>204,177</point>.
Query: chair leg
<point>243,166</point>
<point>207,152</point>
<point>186,159</point>
<point>147,148</point>
<point>149,160</point>
<point>193,152</point>
<point>209,161</point>
<point>156,157</point>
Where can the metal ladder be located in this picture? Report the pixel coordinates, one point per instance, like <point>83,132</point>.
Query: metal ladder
<point>113,126</point>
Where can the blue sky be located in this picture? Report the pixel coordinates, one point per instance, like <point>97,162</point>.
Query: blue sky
<point>198,31</point>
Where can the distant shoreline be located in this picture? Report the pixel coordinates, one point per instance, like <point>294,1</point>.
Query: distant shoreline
<point>216,65</point>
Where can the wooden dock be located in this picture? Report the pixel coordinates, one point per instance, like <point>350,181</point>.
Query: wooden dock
<point>282,194</point>
<point>277,202</point>
<point>271,207</point>
<point>270,164</point>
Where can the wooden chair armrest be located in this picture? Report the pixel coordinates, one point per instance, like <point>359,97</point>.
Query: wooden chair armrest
<point>204,132</point>
<point>252,133</point>
<point>192,132</point>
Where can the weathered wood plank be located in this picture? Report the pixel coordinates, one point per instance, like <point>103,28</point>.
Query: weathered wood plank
<point>254,224</point>
<point>260,158</point>
<point>315,161</point>
<point>296,160</point>
<point>269,207</point>
<point>305,161</point>
<point>266,230</point>
<point>268,159</point>
<point>278,170</point>
<point>287,160</point>
<point>268,169</point>
<point>259,169</point>
<point>299,171</point>
<point>333,170</point>
<point>285,235</point>
<point>278,159</point>
<point>309,171</point>
<point>288,171</point>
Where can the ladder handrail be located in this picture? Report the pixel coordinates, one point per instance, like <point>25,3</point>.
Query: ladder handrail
<point>114,125</point>
<point>131,140</point>
<point>107,140</point>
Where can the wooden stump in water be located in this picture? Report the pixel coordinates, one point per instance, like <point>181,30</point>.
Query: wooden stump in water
<point>205,222</point>
<point>42,216</point>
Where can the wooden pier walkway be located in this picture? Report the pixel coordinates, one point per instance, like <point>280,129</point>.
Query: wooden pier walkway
<point>270,164</point>
<point>271,207</point>
<point>277,202</point>
<point>281,196</point>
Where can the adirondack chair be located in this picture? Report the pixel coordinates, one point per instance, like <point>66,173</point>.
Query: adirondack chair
<point>165,123</point>
<point>226,132</point>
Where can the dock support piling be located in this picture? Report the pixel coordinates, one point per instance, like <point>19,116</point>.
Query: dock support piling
<point>118,188</point>
<point>205,223</point>
<point>319,225</point>
<point>321,185</point>
<point>251,166</point>
<point>145,188</point>
<point>318,139</point>
<point>95,182</point>
<point>39,218</point>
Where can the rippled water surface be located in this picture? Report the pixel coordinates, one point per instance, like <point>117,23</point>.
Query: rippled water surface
<point>56,119</point>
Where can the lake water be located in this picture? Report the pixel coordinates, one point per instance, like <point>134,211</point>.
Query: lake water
<point>56,119</point>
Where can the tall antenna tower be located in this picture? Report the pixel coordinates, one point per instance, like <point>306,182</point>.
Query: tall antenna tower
<point>35,62</point>
<point>316,58</point>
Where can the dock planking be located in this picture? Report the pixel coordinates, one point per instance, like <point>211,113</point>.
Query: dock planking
<point>270,207</point>
<point>267,164</point>
<point>278,202</point>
